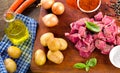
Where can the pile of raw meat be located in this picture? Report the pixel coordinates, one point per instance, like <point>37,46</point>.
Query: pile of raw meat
<point>86,41</point>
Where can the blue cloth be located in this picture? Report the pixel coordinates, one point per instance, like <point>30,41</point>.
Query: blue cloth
<point>23,63</point>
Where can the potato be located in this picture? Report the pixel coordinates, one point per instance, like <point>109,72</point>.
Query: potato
<point>58,8</point>
<point>40,57</point>
<point>45,38</point>
<point>63,44</point>
<point>10,65</point>
<point>54,44</point>
<point>47,4</point>
<point>55,56</point>
<point>14,52</point>
<point>50,20</point>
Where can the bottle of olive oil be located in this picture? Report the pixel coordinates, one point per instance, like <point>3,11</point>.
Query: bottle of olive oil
<point>16,31</point>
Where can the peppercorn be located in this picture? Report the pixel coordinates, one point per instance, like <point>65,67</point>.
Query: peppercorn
<point>116,7</point>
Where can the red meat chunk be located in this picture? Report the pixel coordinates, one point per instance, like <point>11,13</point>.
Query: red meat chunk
<point>82,31</point>
<point>82,21</point>
<point>107,19</point>
<point>110,32</point>
<point>72,37</point>
<point>100,36</point>
<point>86,41</point>
<point>84,49</point>
<point>103,46</point>
<point>99,16</point>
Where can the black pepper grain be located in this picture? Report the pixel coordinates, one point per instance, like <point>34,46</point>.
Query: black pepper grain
<point>116,7</point>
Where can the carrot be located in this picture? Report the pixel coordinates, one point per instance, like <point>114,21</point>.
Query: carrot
<point>24,6</point>
<point>15,5</point>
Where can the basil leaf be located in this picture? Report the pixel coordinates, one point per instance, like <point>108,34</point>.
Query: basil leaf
<point>92,27</point>
<point>87,68</point>
<point>87,62</point>
<point>79,65</point>
<point>92,62</point>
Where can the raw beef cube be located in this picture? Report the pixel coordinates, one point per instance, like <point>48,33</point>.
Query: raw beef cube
<point>100,24</point>
<point>92,47</point>
<point>72,31</point>
<point>99,16</point>
<point>86,52</point>
<point>103,46</point>
<point>100,36</point>
<point>110,32</point>
<point>79,44</point>
<point>82,21</point>
<point>92,20</point>
<point>100,44</point>
<point>107,49</point>
<point>74,26</point>
<point>113,27</point>
<point>88,40</point>
<point>72,37</point>
<point>84,49</point>
<point>82,31</point>
<point>107,19</point>
<point>111,39</point>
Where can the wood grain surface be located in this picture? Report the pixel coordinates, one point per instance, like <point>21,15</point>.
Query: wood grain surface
<point>71,55</point>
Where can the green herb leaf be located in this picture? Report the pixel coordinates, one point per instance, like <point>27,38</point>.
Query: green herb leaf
<point>92,62</point>
<point>79,65</point>
<point>87,68</point>
<point>89,63</point>
<point>92,27</point>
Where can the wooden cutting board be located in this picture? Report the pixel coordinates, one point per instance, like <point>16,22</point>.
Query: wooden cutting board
<point>71,55</point>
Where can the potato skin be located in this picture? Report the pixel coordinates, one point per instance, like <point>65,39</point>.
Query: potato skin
<point>14,52</point>
<point>55,56</point>
<point>40,57</point>
<point>10,65</point>
<point>50,20</point>
<point>54,44</point>
<point>45,38</point>
<point>47,4</point>
<point>58,8</point>
<point>63,44</point>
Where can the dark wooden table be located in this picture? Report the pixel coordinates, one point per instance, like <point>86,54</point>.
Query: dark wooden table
<point>31,11</point>
<point>71,54</point>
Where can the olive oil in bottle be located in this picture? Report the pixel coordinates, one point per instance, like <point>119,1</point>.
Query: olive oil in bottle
<point>16,31</point>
